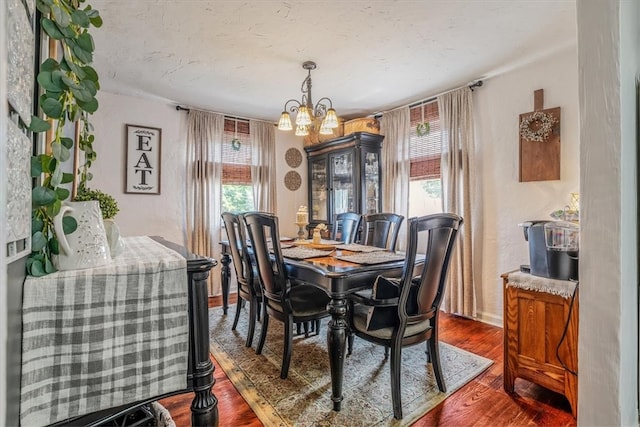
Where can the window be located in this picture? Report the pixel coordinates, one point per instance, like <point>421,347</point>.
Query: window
<point>237,191</point>
<point>425,189</point>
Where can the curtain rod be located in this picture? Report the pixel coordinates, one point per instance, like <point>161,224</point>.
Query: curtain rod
<point>180,108</point>
<point>472,86</point>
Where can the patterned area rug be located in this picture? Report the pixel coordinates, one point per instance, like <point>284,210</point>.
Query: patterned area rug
<point>304,398</point>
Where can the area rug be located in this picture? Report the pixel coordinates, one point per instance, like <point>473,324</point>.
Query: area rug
<point>304,398</point>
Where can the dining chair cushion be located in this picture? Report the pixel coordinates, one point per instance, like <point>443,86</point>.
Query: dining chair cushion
<point>306,300</point>
<point>360,315</point>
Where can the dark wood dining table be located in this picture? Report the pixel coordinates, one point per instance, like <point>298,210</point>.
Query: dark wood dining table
<point>338,279</point>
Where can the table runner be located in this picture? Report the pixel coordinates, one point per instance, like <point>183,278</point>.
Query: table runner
<point>356,247</point>
<point>563,288</point>
<point>98,338</point>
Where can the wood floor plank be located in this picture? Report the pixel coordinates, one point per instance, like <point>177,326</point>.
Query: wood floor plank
<point>481,402</point>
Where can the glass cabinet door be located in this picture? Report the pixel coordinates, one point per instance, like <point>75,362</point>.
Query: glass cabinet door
<point>318,211</point>
<point>371,183</point>
<point>342,185</point>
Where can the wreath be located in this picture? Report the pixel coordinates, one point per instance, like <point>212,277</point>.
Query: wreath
<point>235,144</point>
<point>545,121</point>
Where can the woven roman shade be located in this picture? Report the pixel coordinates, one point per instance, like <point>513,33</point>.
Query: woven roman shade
<point>424,150</point>
<point>236,152</point>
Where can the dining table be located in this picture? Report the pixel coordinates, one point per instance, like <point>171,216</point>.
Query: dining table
<point>338,277</point>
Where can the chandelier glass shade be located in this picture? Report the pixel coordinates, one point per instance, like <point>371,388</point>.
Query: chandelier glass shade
<point>306,112</point>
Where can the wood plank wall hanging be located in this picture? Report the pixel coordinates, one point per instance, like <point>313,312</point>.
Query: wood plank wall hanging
<point>539,133</point>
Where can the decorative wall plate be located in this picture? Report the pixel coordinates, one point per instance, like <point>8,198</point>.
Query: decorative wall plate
<point>292,180</point>
<point>293,156</point>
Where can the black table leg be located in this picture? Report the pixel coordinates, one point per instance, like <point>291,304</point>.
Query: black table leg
<point>204,406</point>
<point>225,271</point>
<point>336,342</point>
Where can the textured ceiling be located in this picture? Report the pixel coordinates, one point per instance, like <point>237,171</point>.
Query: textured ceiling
<point>245,58</point>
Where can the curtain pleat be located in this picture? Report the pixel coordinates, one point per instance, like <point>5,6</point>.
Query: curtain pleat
<point>456,115</point>
<point>263,160</point>
<point>204,187</point>
<point>396,167</point>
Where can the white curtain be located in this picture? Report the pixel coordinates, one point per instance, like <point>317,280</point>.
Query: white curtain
<point>457,169</point>
<point>396,166</point>
<point>263,161</point>
<point>204,186</point>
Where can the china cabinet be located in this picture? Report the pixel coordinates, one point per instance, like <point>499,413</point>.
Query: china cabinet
<point>344,176</point>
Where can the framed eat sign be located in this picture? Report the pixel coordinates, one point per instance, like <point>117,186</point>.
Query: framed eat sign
<point>142,173</point>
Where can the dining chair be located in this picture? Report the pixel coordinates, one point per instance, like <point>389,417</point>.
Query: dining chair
<point>249,289</point>
<point>381,230</point>
<point>346,227</point>
<point>398,313</point>
<point>284,300</point>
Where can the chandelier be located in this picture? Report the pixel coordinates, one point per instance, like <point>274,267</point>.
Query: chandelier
<point>306,112</point>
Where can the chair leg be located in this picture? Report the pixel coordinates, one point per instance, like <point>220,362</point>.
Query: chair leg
<point>434,352</point>
<point>350,343</point>
<point>386,352</point>
<point>305,326</point>
<point>235,319</point>
<point>317,326</point>
<point>298,328</point>
<point>288,343</point>
<point>396,393</point>
<point>253,309</point>
<point>263,332</point>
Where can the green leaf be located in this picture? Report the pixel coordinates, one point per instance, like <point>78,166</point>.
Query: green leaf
<point>54,246</point>
<point>85,41</point>
<point>38,125</point>
<point>90,86</point>
<point>57,79</point>
<point>79,17</point>
<point>54,209</point>
<point>96,21</point>
<point>91,13</point>
<point>47,2</point>
<point>81,95</point>
<point>37,270</point>
<point>61,153</point>
<point>62,193</point>
<point>36,167</point>
<point>38,241</point>
<point>52,108</point>
<point>82,55</point>
<point>42,196</point>
<point>43,8</point>
<point>72,84</point>
<point>69,224</point>
<point>51,29</point>
<point>49,64</point>
<point>67,178</point>
<point>48,266</point>
<point>66,142</point>
<point>48,163</point>
<point>56,177</point>
<point>61,17</point>
<point>90,107</point>
<point>77,70</point>
<point>90,73</point>
<point>45,80</point>
<point>36,225</point>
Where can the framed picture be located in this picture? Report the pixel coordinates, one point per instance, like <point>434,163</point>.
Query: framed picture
<point>142,173</point>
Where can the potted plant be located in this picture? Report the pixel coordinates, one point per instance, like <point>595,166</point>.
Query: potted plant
<point>69,85</point>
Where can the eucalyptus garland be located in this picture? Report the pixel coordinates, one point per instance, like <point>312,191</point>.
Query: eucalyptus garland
<point>545,126</point>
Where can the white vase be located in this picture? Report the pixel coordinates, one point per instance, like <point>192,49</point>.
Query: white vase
<point>116,245</point>
<point>87,246</point>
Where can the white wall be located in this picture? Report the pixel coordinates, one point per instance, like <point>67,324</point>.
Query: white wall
<point>609,63</point>
<point>505,201</point>
<point>163,214</point>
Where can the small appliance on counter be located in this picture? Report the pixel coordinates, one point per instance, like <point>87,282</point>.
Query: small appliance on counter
<point>553,249</point>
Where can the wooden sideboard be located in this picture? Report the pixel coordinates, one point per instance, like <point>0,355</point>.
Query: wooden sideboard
<point>534,324</point>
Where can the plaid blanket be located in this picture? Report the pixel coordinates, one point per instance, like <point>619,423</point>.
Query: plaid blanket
<point>98,338</point>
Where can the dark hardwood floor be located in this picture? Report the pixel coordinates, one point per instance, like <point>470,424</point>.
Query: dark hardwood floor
<point>482,402</point>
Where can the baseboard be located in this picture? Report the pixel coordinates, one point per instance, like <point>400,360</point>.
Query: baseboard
<point>490,319</point>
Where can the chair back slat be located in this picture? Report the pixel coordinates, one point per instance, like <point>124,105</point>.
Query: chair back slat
<point>381,230</point>
<point>422,288</point>
<point>236,235</point>
<point>261,228</point>
<point>346,227</point>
